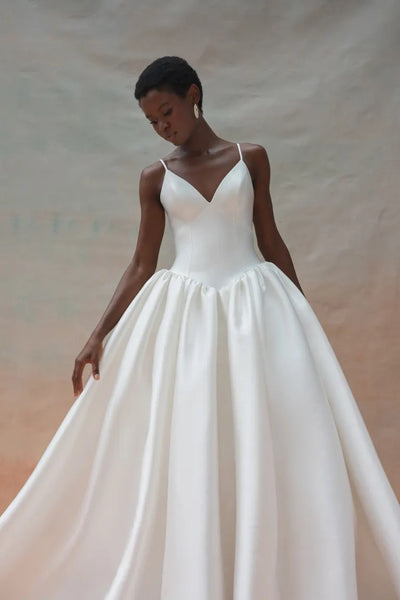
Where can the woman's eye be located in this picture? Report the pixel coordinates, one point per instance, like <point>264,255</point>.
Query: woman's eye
<point>165,115</point>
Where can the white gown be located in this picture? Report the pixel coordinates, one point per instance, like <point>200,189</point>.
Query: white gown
<point>221,455</point>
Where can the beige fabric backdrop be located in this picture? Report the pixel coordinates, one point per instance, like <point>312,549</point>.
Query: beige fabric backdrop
<point>315,82</point>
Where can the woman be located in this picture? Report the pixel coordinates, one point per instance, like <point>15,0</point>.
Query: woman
<point>221,454</point>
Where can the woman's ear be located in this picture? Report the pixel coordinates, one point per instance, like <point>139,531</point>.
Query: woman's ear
<point>194,93</point>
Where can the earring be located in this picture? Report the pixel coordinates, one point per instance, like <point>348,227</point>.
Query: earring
<point>196,111</point>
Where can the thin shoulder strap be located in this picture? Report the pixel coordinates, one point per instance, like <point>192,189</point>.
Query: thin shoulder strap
<point>165,166</point>
<point>240,152</point>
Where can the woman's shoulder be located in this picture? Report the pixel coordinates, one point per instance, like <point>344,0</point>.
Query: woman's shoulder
<point>151,177</point>
<point>248,148</point>
<point>256,158</point>
<point>253,150</point>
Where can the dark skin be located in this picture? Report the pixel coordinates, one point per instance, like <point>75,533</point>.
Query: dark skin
<point>203,159</point>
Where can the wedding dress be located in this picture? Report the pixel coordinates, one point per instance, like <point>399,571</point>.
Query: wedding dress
<point>221,455</point>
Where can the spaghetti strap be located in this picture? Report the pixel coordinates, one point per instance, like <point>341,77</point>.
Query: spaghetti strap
<point>165,166</point>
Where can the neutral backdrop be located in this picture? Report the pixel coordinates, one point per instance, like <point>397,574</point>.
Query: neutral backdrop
<point>315,82</point>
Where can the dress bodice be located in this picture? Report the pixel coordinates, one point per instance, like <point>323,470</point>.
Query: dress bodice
<point>213,240</point>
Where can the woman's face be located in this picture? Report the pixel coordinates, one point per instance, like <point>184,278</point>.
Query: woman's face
<point>171,116</point>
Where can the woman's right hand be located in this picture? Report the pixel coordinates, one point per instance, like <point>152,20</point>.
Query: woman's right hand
<point>90,353</point>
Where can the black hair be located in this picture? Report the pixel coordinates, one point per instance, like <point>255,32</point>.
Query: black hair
<point>170,73</point>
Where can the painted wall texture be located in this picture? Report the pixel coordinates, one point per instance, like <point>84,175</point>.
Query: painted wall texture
<point>316,82</point>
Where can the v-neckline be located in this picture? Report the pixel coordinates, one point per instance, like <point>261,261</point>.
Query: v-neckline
<point>198,191</point>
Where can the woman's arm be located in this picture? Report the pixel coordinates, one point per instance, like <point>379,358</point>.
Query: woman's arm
<point>141,267</point>
<point>269,240</point>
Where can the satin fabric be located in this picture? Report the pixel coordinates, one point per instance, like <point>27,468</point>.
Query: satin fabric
<point>221,456</point>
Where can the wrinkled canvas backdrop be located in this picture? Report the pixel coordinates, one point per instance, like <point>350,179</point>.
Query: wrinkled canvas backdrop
<point>316,83</point>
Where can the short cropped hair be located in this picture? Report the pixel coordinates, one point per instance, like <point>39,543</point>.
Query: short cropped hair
<point>170,73</point>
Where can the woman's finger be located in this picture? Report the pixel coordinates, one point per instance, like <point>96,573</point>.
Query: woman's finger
<point>77,376</point>
<point>95,370</point>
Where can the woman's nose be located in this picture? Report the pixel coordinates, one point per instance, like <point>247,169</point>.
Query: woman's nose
<point>164,127</point>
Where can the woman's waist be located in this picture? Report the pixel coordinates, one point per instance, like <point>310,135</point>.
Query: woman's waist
<point>214,270</point>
